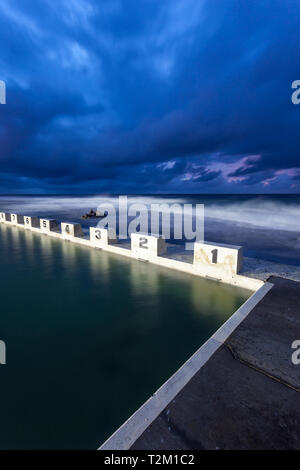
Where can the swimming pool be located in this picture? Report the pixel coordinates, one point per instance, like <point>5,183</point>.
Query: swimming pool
<point>90,336</point>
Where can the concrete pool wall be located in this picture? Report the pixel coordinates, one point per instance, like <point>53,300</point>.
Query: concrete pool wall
<point>218,262</point>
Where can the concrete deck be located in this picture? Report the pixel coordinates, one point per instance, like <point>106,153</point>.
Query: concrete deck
<point>262,269</point>
<point>247,395</point>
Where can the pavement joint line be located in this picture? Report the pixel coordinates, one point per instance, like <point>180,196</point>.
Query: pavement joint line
<point>261,371</point>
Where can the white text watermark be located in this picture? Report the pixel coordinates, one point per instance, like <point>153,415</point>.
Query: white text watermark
<point>185,221</point>
<point>2,352</point>
<point>296,94</point>
<point>296,354</point>
<point>2,92</point>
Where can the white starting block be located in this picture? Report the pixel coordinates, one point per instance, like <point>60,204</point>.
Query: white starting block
<point>219,257</point>
<point>70,231</point>
<point>4,217</point>
<point>102,236</point>
<point>48,225</point>
<point>16,219</point>
<point>147,246</point>
<point>31,222</point>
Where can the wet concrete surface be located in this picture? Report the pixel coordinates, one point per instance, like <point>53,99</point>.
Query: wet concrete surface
<point>247,396</point>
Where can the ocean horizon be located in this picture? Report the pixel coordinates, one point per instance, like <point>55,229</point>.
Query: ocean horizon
<point>267,226</point>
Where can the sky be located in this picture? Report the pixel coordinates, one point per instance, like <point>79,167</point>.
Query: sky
<point>149,96</point>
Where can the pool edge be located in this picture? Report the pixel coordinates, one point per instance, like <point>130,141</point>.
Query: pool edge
<point>127,434</point>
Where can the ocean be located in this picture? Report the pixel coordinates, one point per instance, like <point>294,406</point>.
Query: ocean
<point>267,226</point>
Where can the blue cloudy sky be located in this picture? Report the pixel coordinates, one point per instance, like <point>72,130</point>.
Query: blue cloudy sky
<point>149,96</point>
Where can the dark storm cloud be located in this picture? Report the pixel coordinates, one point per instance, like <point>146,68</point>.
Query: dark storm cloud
<point>207,175</point>
<point>130,95</point>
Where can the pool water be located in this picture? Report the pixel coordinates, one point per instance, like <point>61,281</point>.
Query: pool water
<point>90,336</point>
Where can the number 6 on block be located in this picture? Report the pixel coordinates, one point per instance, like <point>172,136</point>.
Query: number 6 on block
<point>31,222</point>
